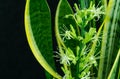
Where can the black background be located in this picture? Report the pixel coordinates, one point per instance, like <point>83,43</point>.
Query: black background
<point>16,58</point>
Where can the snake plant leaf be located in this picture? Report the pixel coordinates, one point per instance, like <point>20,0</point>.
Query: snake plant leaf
<point>38,32</point>
<point>82,4</point>
<point>63,9</point>
<point>110,39</point>
<point>114,68</point>
<point>113,38</point>
<point>62,23</point>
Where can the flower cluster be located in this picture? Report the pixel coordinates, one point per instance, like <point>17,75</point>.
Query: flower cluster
<point>82,17</point>
<point>82,40</point>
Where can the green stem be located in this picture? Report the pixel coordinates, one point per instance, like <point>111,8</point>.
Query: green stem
<point>92,51</point>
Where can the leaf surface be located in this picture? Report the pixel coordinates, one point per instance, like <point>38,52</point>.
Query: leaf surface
<point>39,33</point>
